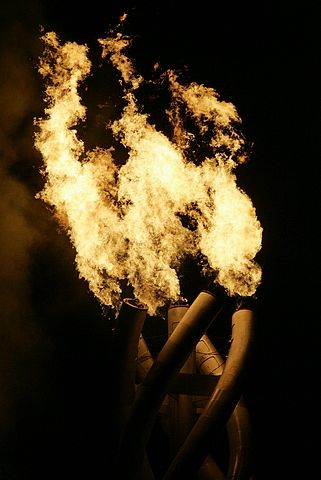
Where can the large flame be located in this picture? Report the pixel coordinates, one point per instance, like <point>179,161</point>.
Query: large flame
<point>126,223</point>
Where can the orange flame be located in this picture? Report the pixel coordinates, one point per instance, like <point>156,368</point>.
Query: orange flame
<point>125,223</point>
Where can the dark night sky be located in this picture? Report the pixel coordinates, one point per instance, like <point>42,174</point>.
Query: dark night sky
<point>54,360</point>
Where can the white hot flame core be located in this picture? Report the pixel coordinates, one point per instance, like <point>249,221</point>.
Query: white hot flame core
<point>125,222</point>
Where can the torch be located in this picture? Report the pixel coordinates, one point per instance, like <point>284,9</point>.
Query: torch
<point>110,214</point>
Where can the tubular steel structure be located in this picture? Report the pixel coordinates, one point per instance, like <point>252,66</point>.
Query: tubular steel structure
<point>153,389</point>
<point>180,409</point>
<point>222,402</point>
<point>170,384</point>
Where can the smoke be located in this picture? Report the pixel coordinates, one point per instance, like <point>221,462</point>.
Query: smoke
<point>21,338</point>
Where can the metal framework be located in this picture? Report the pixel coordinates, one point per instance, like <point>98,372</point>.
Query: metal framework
<point>188,369</point>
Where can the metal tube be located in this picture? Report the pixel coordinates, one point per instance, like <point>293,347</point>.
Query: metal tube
<point>208,359</point>
<point>221,404</point>
<point>153,389</point>
<point>209,470</point>
<point>144,359</point>
<point>240,440</point>
<point>181,407</point>
<point>129,324</point>
<point>210,362</point>
<point>204,357</point>
<point>143,364</point>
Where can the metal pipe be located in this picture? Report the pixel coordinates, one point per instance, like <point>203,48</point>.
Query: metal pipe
<point>210,362</point>
<point>208,358</point>
<point>153,389</point>
<point>144,359</point>
<point>240,443</point>
<point>126,334</point>
<point>143,364</point>
<point>209,470</point>
<point>221,404</point>
<point>181,406</point>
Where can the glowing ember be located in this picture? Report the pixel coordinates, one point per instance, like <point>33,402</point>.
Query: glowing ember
<point>125,223</point>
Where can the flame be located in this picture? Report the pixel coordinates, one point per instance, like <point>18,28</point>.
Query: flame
<point>125,223</point>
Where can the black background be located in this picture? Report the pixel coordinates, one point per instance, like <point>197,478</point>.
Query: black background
<point>54,363</point>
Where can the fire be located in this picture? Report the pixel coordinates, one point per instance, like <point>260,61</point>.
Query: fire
<point>126,223</point>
